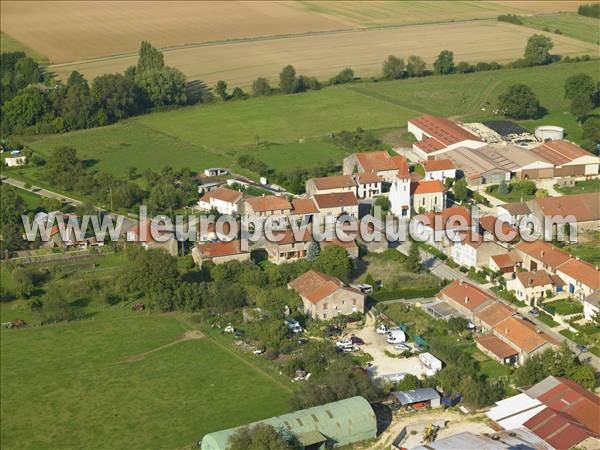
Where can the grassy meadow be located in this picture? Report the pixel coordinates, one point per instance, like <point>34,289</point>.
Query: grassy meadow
<point>216,134</point>
<point>117,383</point>
<point>573,25</point>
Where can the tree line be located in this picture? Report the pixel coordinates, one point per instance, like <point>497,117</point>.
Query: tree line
<point>32,107</point>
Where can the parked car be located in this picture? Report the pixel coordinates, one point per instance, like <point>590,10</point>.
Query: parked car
<point>344,343</point>
<point>229,329</point>
<point>293,326</point>
<point>350,349</point>
<point>381,329</point>
<point>402,347</point>
<point>258,351</point>
<point>396,337</point>
<point>356,340</point>
<point>534,312</point>
<point>582,348</point>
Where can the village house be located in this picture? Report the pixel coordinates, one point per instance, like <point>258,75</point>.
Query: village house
<point>492,315</point>
<point>442,226</point>
<point>325,297</point>
<point>523,336</point>
<point>330,185</point>
<point>470,249</point>
<point>494,347</point>
<point>436,135</point>
<point>304,207</point>
<point>268,205</point>
<point>379,162</point>
<point>15,160</point>
<point>494,229</point>
<point>223,200</point>
<point>541,255</point>
<point>162,239</point>
<point>506,263</point>
<point>428,195</point>
<point>219,252</point>
<point>334,205</point>
<point>439,169</point>
<point>533,287</point>
<point>288,247</point>
<point>580,277</point>
<point>513,213</point>
<point>465,297</point>
<point>368,184</point>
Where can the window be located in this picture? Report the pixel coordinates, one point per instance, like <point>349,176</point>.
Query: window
<point>324,306</point>
<point>354,302</point>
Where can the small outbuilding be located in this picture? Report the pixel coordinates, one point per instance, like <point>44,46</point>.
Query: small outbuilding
<point>418,398</point>
<point>334,424</point>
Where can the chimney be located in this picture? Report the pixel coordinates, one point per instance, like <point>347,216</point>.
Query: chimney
<point>542,254</point>
<point>467,299</point>
<point>506,330</point>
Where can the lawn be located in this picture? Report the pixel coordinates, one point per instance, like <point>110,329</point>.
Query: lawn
<point>512,196</point>
<point>91,384</point>
<point>206,135</point>
<point>573,25</point>
<point>565,307</point>
<point>581,187</point>
<point>586,248</point>
<point>547,319</point>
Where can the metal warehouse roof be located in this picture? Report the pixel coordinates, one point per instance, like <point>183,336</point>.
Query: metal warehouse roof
<point>343,422</point>
<point>416,395</point>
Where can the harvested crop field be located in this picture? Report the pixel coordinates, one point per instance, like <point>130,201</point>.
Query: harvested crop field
<point>71,31</point>
<point>323,55</point>
<point>378,13</point>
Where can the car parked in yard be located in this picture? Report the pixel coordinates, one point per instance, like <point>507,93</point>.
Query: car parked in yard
<point>402,347</point>
<point>534,312</point>
<point>294,326</point>
<point>356,340</point>
<point>344,343</point>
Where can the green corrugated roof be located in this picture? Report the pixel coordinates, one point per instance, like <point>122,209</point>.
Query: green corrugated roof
<point>343,422</point>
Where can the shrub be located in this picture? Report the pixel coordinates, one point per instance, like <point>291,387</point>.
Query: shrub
<point>510,18</point>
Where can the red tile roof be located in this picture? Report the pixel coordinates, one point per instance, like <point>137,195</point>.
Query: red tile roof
<point>431,165</point>
<point>221,248</point>
<point>560,152</point>
<point>444,130</point>
<point>430,145</point>
<point>466,295</point>
<point>335,200</point>
<point>304,206</point>
<point>448,218</point>
<point>427,187</point>
<point>380,161</point>
<point>334,182</point>
<point>268,203</point>
<point>224,194</point>
<point>545,252</point>
<point>584,207</point>
<point>290,238</point>
<point>488,223</point>
<point>498,347</point>
<point>539,278</point>
<point>315,286</point>
<point>495,313</point>
<point>367,177</point>
<point>582,271</point>
<point>504,261</point>
<point>522,334</point>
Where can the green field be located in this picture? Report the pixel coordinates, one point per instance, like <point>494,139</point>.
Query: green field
<point>570,24</point>
<point>580,187</point>
<point>586,248</point>
<point>9,44</point>
<point>92,384</point>
<point>207,135</point>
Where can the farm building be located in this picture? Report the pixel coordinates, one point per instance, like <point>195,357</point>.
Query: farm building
<point>439,169</point>
<point>557,410</point>
<point>475,167</point>
<point>334,424</point>
<point>437,135</point>
<point>567,158</point>
<point>219,252</point>
<point>418,398</point>
<point>222,199</point>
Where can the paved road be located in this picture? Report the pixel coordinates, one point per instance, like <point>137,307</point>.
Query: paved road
<point>42,192</point>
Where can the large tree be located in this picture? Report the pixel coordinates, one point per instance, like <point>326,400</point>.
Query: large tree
<point>459,189</point>
<point>116,97</point>
<point>288,83</point>
<point>444,64</point>
<point>24,111</point>
<point>77,105</point>
<point>415,66</point>
<point>150,58</point>
<point>519,102</point>
<point>591,133</point>
<point>537,50</point>
<point>393,68</point>
<point>580,84</point>
<point>164,86</point>
<point>261,86</point>
<point>581,106</point>
<point>334,260</point>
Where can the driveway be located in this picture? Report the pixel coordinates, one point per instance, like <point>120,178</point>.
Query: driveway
<point>376,346</point>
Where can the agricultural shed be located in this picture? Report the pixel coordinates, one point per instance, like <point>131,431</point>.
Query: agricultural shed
<point>423,397</point>
<point>339,423</point>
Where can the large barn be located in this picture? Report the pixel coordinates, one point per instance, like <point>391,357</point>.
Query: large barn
<point>334,424</point>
